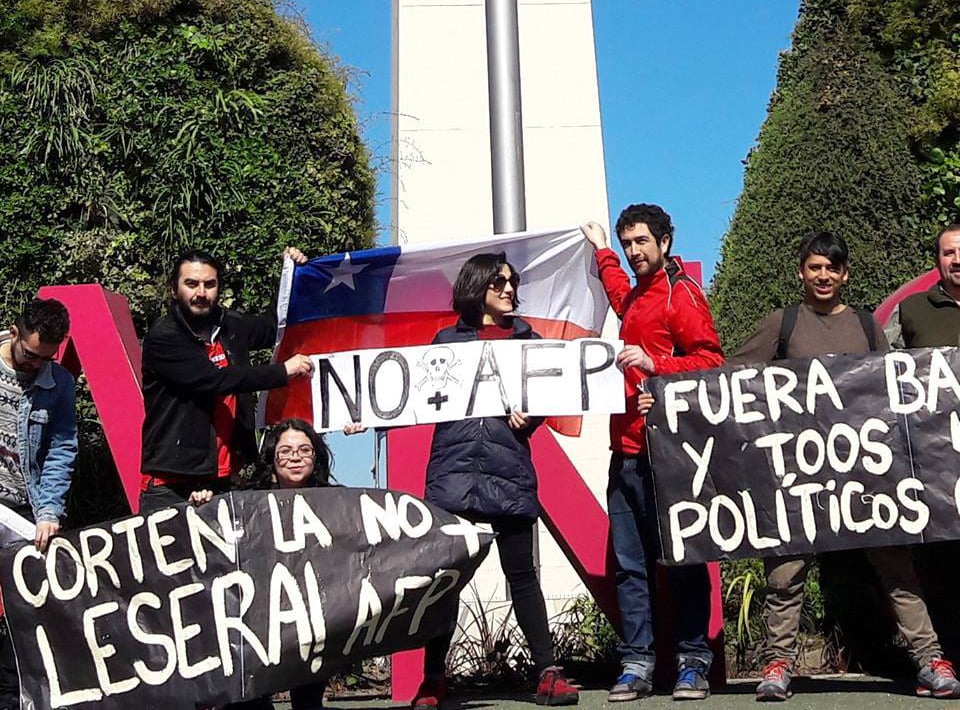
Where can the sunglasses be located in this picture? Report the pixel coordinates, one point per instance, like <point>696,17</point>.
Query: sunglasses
<point>500,282</point>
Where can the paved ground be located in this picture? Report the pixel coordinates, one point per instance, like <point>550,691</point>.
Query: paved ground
<point>825,693</point>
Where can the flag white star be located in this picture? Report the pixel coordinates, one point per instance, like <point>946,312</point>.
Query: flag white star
<point>343,274</point>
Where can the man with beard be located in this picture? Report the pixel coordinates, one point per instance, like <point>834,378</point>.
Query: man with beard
<point>38,438</point>
<point>198,385</point>
<point>932,318</point>
<point>820,325</point>
<point>666,328</point>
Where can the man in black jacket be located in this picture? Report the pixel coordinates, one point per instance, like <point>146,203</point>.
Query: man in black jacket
<point>198,386</point>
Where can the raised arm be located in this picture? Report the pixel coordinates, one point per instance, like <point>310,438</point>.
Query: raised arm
<point>616,282</point>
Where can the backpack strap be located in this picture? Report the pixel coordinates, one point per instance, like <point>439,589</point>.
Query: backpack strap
<point>674,274</point>
<point>869,326</point>
<point>787,324</point>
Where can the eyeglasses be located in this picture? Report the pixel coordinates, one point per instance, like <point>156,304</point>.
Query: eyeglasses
<point>500,282</point>
<point>285,453</point>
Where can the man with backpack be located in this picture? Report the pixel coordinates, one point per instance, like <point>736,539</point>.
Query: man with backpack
<point>822,324</point>
<point>666,328</point>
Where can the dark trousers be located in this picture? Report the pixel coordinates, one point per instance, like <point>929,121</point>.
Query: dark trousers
<point>515,546</point>
<point>631,505</point>
<point>158,496</point>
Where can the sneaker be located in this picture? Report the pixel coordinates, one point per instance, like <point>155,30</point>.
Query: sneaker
<point>937,679</point>
<point>691,681</point>
<point>555,689</point>
<point>775,685</point>
<point>630,686</point>
<point>431,693</point>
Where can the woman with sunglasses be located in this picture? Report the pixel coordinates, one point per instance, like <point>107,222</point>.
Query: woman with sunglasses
<point>481,469</point>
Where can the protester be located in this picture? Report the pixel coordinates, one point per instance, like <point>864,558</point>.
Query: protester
<point>822,324</point>
<point>667,328</point>
<point>38,438</point>
<point>932,319</point>
<point>481,469</point>
<point>198,428</point>
<point>294,456</point>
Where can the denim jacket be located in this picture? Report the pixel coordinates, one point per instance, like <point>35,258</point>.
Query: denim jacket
<point>47,439</point>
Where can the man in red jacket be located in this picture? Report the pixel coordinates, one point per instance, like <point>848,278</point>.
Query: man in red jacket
<point>666,327</point>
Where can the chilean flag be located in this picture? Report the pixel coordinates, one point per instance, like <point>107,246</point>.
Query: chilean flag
<point>401,295</point>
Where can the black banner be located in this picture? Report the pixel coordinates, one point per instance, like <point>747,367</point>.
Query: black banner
<point>801,456</point>
<point>251,593</point>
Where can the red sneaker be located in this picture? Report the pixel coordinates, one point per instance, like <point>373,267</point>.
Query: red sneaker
<point>431,693</point>
<point>554,689</point>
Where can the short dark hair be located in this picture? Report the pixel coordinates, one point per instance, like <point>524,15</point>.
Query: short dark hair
<point>475,277</point>
<point>824,244</point>
<point>193,256</point>
<point>322,457</point>
<point>955,227</point>
<point>657,221</point>
<point>46,316</point>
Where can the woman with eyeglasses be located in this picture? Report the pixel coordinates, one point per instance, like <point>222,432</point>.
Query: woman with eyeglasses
<point>481,469</point>
<point>293,455</point>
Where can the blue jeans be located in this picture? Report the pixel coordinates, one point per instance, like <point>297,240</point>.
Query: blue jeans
<point>631,505</point>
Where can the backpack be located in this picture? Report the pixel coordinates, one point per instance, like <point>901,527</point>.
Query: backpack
<point>789,322</point>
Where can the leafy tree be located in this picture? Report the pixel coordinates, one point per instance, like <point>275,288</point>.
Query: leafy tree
<point>920,45</point>
<point>131,130</point>
<point>860,139</point>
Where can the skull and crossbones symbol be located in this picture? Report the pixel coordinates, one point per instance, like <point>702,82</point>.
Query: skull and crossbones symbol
<point>437,364</point>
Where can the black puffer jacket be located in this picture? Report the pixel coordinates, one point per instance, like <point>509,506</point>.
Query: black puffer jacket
<point>481,466</point>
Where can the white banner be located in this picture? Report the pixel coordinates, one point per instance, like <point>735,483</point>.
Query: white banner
<point>490,378</point>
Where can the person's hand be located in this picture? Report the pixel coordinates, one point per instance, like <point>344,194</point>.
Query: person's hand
<point>295,254</point>
<point>635,356</point>
<point>353,428</point>
<point>518,420</point>
<point>299,366</point>
<point>198,498</point>
<point>645,402</point>
<point>594,234</point>
<point>45,530</point>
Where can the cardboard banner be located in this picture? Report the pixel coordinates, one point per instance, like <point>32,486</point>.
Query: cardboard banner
<point>802,456</point>
<point>439,383</point>
<point>254,592</point>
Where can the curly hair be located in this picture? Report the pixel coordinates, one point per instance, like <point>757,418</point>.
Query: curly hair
<point>475,277</point>
<point>657,221</point>
<point>46,316</point>
<point>322,458</point>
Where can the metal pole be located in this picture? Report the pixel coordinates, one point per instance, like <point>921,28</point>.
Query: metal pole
<point>506,134</point>
<point>506,118</point>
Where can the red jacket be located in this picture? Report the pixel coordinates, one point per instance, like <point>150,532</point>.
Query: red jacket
<point>671,323</point>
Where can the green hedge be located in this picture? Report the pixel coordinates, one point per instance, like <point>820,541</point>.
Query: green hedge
<point>131,130</point>
<point>861,139</point>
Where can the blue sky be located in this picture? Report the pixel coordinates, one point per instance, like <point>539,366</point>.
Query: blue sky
<point>684,86</point>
